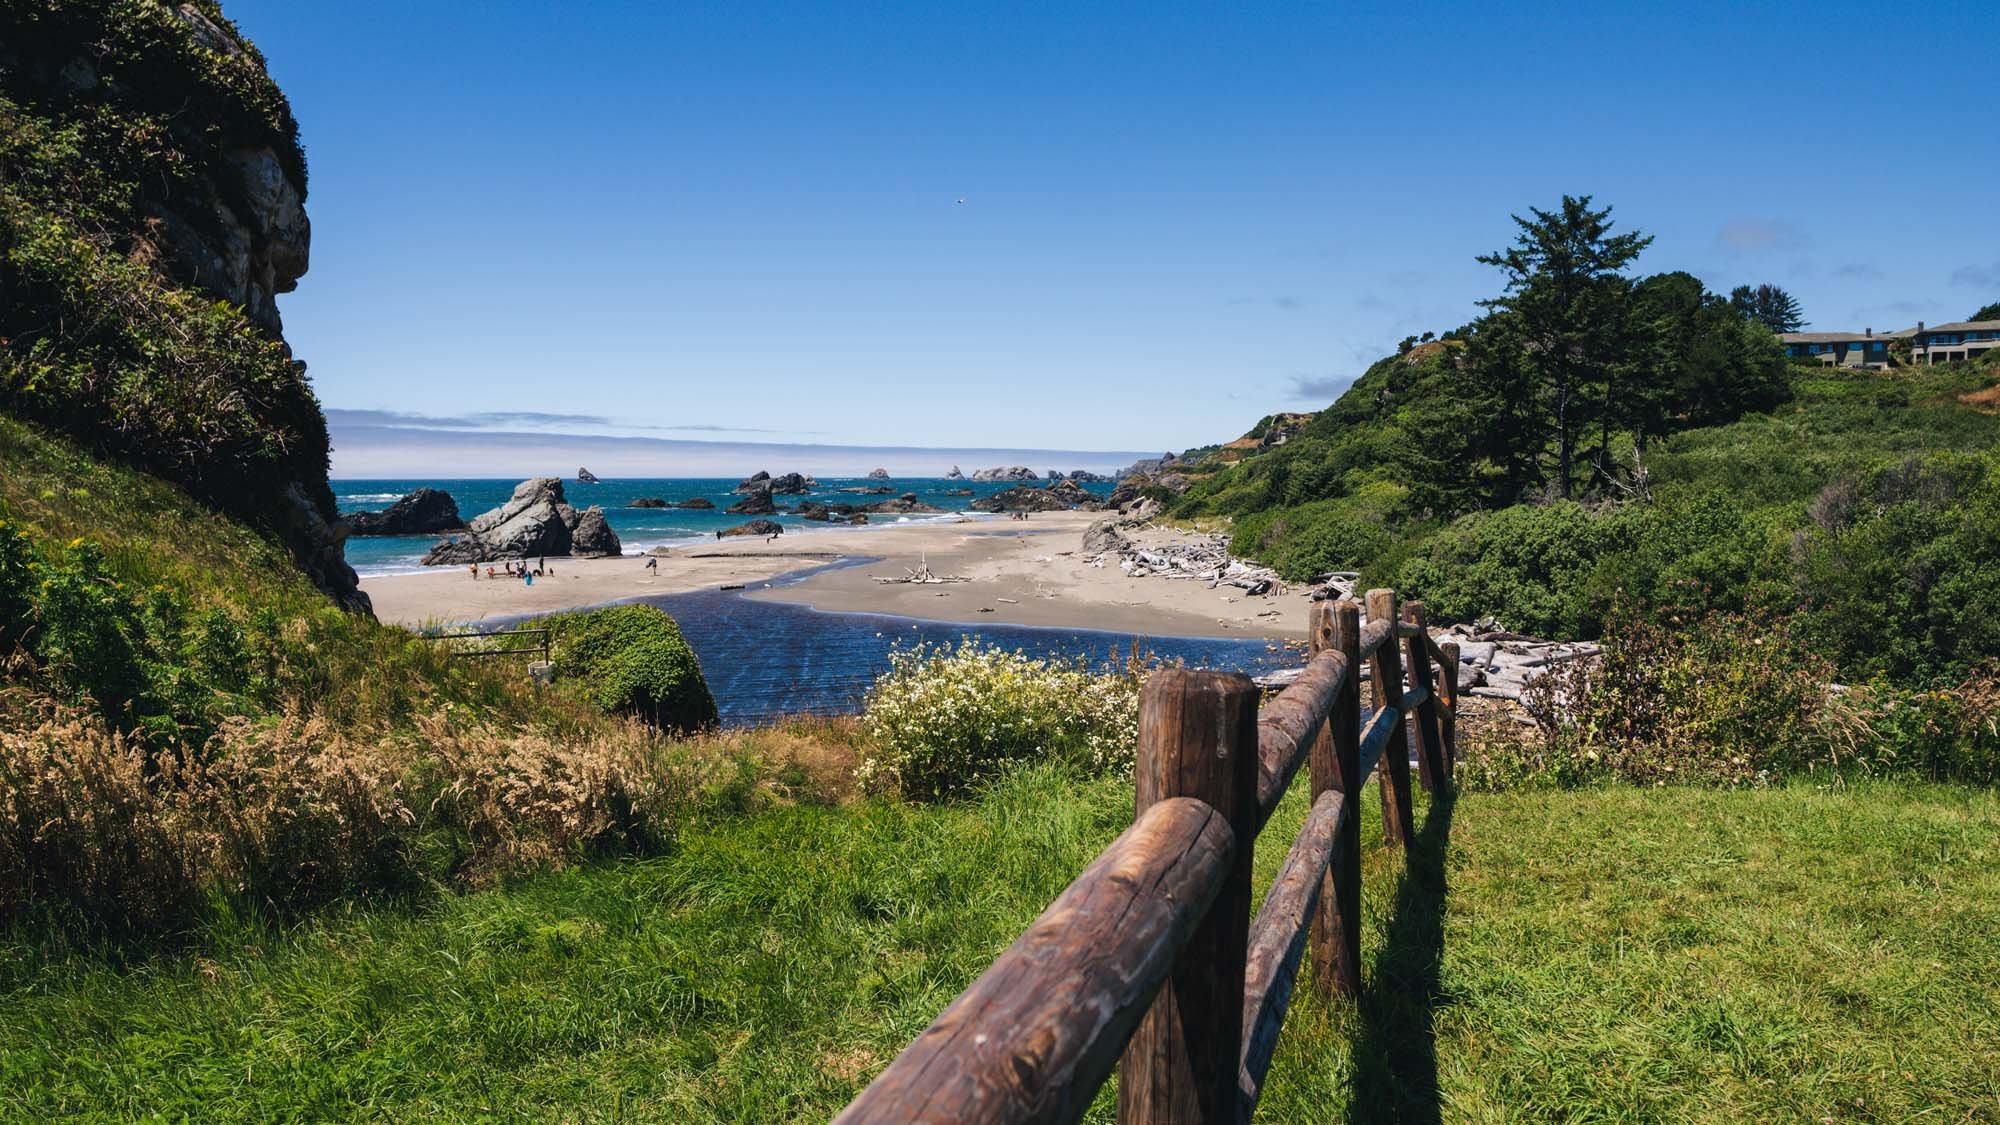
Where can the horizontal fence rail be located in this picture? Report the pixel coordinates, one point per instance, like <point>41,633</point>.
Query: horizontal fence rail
<point>542,649</point>
<point>1151,961</point>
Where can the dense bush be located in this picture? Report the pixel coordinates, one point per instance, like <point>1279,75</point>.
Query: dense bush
<point>632,660</point>
<point>1899,575</point>
<point>945,720</point>
<point>142,659</point>
<point>1533,568</point>
<point>1344,534</point>
<point>1733,698</point>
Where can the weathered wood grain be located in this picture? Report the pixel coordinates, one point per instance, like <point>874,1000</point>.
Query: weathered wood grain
<point>1038,1032</point>
<point>1278,941</point>
<point>1388,670</point>
<point>1197,738</point>
<point>1336,766</point>
<point>1290,723</point>
<point>1423,715</point>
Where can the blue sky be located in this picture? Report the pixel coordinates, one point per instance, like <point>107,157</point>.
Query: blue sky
<point>739,222</point>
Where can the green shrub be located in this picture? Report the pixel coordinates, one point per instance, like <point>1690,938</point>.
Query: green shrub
<point>1899,575</point>
<point>16,552</point>
<point>1733,698</point>
<point>944,720</point>
<point>1344,534</point>
<point>1533,568</point>
<point>632,660</point>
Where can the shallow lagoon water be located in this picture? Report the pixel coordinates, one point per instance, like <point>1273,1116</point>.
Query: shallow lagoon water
<point>764,660</point>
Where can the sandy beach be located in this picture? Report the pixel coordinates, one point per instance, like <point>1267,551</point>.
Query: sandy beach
<point>1020,572</point>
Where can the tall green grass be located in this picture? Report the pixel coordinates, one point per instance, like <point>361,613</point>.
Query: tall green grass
<point>1605,954</point>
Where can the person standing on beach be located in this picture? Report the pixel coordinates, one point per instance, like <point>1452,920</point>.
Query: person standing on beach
<point>653,564</point>
<point>474,568</point>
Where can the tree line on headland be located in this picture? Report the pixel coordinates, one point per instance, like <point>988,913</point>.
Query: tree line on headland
<point>1600,447</point>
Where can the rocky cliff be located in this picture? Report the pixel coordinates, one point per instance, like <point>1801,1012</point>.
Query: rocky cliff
<point>149,169</point>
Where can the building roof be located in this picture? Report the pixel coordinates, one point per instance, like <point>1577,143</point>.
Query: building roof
<point>1966,326</point>
<point>1826,337</point>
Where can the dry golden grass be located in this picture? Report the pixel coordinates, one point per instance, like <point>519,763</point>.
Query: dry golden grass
<point>291,812</point>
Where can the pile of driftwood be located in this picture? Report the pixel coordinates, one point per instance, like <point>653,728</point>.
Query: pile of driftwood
<point>921,575</point>
<point>1500,665</point>
<point>1205,559</point>
<point>1492,662</point>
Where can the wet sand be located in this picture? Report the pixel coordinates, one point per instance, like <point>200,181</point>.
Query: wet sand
<point>1021,572</point>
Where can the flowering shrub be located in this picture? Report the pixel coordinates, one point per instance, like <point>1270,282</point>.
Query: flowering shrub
<point>942,720</point>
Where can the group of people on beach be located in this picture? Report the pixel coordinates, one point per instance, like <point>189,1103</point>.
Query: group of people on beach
<point>521,572</point>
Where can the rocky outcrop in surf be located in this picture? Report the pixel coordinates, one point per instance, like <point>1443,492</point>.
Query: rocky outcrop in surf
<point>765,528</point>
<point>785,484</point>
<point>535,521</point>
<point>1012,472</point>
<point>427,511</point>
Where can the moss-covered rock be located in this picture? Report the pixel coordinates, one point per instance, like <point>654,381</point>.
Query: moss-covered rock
<point>632,660</point>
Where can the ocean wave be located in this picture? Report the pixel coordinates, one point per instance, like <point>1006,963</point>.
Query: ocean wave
<point>369,497</point>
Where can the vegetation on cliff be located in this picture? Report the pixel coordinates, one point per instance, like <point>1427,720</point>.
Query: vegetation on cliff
<point>151,183</point>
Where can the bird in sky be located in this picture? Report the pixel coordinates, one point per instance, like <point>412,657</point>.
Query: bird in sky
<point>961,199</point>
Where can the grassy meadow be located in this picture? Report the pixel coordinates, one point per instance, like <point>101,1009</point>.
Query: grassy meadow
<point>1612,953</point>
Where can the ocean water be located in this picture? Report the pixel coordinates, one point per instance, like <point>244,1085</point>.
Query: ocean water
<point>764,660</point>
<point>639,529</point>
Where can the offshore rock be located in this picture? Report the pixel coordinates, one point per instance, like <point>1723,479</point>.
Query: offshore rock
<point>535,521</point>
<point>1021,498</point>
<point>754,527</point>
<point>1013,472</point>
<point>906,504</point>
<point>1075,495</point>
<point>423,512</point>
<point>758,503</point>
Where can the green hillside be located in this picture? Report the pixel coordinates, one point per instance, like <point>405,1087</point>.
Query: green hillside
<point>1682,469</point>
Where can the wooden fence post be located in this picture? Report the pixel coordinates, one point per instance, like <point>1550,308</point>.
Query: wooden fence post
<point>1449,682</point>
<point>1336,762</point>
<point>1197,738</point>
<point>1395,767</point>
<point>1430,737</point>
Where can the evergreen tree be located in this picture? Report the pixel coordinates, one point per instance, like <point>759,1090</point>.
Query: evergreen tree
<point>1990,312</point>
<point>1770,306</point>
<point>1566,298</point>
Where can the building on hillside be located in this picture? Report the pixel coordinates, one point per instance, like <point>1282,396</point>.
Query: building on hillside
<point>1839,349</point>
<point>1965,339</point>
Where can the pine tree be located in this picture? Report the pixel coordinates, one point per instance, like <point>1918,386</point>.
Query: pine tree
<point>1566,297</point>
<point>1990,312</point>
<point>1770,306</point>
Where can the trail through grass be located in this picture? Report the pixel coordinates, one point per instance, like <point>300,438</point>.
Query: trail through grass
<point>1615,954</point>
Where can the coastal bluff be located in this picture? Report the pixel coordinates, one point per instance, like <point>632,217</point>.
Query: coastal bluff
<point>156,169</point>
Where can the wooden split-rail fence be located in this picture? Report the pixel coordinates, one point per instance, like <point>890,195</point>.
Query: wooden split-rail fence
<point>1151,959</point>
